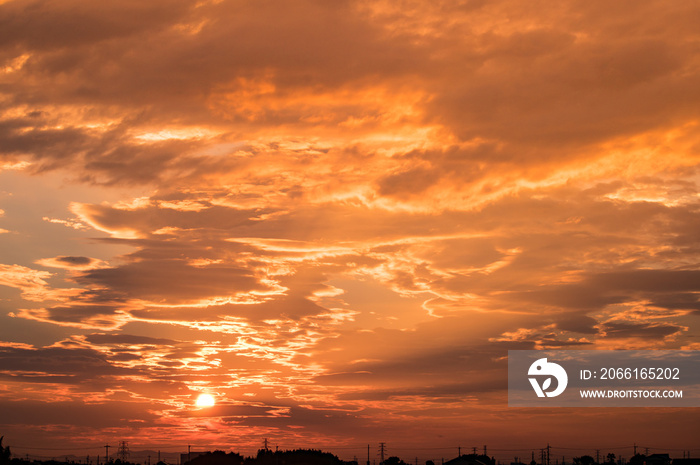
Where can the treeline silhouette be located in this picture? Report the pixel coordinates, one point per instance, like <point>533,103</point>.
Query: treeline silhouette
<point>268,457</point>
<point>218,457</point>
<point>318,457</point>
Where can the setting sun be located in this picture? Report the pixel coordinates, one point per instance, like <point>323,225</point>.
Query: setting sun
<point>205,400</point>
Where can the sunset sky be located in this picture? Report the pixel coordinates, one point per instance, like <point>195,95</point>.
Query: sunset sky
<point>337,216</point>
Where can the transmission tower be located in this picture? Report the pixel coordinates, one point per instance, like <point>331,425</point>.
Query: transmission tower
<point>123,451</point>
<point>382,449</point>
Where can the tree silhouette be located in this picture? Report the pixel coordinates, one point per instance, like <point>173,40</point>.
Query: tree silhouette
<point>4,452</point>
<point>218,457</point>
<point>394,461</point>
<point>611,458</point>
<point>584,460</point>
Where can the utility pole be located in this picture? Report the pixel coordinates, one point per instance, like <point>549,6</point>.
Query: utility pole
<point>485,451</point>
<point>106,453</point>
<point>189,452</point>
<point>159,456</point>
<point>548,454</point>
<point>367,454</point>
<point>597,456</point>
<point>382,446</point>
<point>646,451</point>
<point>635,448</point>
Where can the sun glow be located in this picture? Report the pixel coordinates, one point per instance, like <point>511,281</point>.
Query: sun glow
<point>205,400</point>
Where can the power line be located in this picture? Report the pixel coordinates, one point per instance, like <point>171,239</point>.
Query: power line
<point>56,448</point>
<point>423,448</point>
